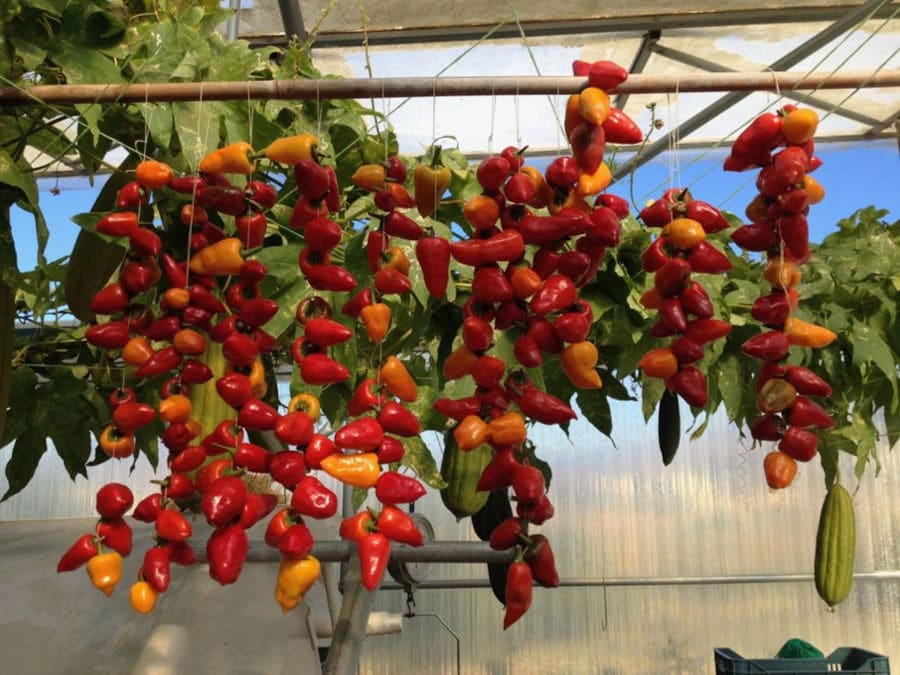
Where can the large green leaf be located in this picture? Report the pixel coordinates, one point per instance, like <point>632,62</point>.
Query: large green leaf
<point>419,458</point>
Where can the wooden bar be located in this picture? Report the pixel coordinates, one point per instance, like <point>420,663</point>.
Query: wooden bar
<point>639,83</point>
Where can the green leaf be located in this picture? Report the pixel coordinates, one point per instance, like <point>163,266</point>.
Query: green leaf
<point>419,458</point>
<point>26,456</point>
<point>868,346</point>
<point>197,127</point>
<point>595,407</point>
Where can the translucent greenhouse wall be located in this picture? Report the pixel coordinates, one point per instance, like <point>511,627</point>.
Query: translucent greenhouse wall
<point>619,515</point>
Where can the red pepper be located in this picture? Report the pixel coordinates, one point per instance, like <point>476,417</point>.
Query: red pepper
<point>133,415</point>
<point>390,450</point>
<point>396,419</point>
<point>806,382</point>
<point>557,292</point>
<point>296,542</point>
<point>118,224</point>
<point>257,415</point>
<point>363,434</point>
<point>396,488</point>
<point>366,397</point>
<point>322,234</point>
<point>305,211</point>
<point>477,334</point>
<point>500,470</point>
<point>225,199</point>
<point>311,178</point>
<point>162,361</point>
<point>546,230</point>
<point>234,388</point>
<point>686,351</point>
<point>178,486</point>
<point>116,534</point>
<point>707,259</point>
<point>536,512</point>
<point>262,194</point>
<point>468,252</point>
<point>519,582</point>
<point>507,534</point>
<point>492,172</point>
<point>620,128</point>
<point>156,568</point>
<point>145,241</point>
<point>690,383</point>
<point>527,352</point>
<point>799,443</point>
<point>148,508</point>
<point>327,277</point>
<point>320,369</point>
<point>528,484</point>
<point>433,254</point>
<point>164,328</point>
<point>252,457</point>
<point>772,309</point>
<point>770,346</point>
<point>390,280</point>
<point>112,335</point>
<point>489,284</point>
<point>287,468</point>
<point>326,332</point>
<point>541,330</point>
<point>673,277</point>
<point>137,276</point>
<point>457,409</point>
<point>131,196</point>
<point>311,498</point>
<point>397,224</point>
<point>805,413</point>
<point>354,306</point>
<point>588,142</point>
<point>181,553</point>
<point>397,525</point>
<point>189,459</point>
<point>224,438</point>
<point>186,184</point>
<point>226,551</point>
<point>672,314</point>
<point>84,548</point>
<point>488,371</point>
<point>562,172</point>
<point>763,134</point>
<point>256,507</point>
<point>277,526</point>
<point>113,500</point>
<point>109,299</point>
<point>703,331</point>
<point>195,372</point>
<point>223,503</point>
<point>654,257</point>
<point>695,300</point>
<point>294,428</point>
<point>545,262</point>
<point>377,243</point>
<point>539,557</point>
<point>544,407</point>
<point>318,448</point>
<point>572,326</point>
<point>374,552</point>
<point>357,526</point>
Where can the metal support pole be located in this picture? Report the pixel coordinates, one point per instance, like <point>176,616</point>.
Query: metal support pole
<point>432,552</point>
<point>648,42</point>
<point>788,60</point>
<point>292,19</point>
<point>391,87</point>
<point>350,631</point>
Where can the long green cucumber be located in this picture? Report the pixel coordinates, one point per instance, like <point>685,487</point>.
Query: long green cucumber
<point>462,470</point>
<point>668,426</point>
<point>835,546</point>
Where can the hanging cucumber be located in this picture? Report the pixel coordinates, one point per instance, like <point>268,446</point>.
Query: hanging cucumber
<point>835,546</point>
<point>462,470</point>
<point>668,426</point>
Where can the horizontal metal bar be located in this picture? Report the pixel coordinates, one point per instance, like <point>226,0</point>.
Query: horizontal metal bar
<point>437,86</point>
<point>588,582</point>
<point>584,25</point>
<point>435,552</point>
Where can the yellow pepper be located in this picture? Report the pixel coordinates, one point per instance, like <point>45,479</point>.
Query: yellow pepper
<point>806,334</point>
<point>377,320</point>
<point>593,104</point>
<point>220,258</point>
<point>258,384</point>
<point>295,578</point>
<point>292,149</point>
<point>578,361</point>
<point>359,470</point>
<point>307,403</point>
<point>369,176</point>
<point>105,571</point>
<point>232,158</point>
<point>592,183</point>
<point>471,432</point>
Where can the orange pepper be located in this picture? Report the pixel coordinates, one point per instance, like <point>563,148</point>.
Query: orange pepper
<point>459,363</point>
<point>233,158</point>
<point>593,104</point>
<point>105,571</point>
<point>359,470</point>
<point>525,282</point>
<point>295,578</point>
<point>481,211</point>
<point>177,298</point>
<point>398,380</point>
<point>659,362</point>
<point>175,409</point>
<point>806,334</point>
<point>136,351</point>
<point>508,429</point>
<point>782,273</point>
<point>652,298</point>
<point>116,443</point>
<point>307,403</point>
<point>377,320</point>
<point>395,256</point>
<point>814,190</point>
<point>189,342</point>
<point>684,233</point>
<point>152,174</point>
<point>143,597</point>
<point>369,177</point>
<point>292,149</point>
<point>573,113</point>
<point>471,432</point>
<point>220,258</point>
<point>591,184</point>
<point>258,384</point>
<point>578,361</point>
<point>799,126</point>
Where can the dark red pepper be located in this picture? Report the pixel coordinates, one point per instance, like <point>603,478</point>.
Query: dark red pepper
<point>539,557</point>
<point>294,428</point>
<point>172,526</point>
<point>312,498</point>
<point>226,551</point>
<point>162,361</point>
<point>148,508</point>
<point>396,488</point>
<point>398,526</point>
<point>84,548</point>
<point>433,254</point>
<point>256,507</point>
<point>544,407</point>
<point>257,415</point>
<point>362,434</point>
<point>770,346</point>
<point>507,534</point>
<point>111,335</point>
<point>690,383</point>
<point>366,397</point>
<point>397,224</point>
<point>374,552</point>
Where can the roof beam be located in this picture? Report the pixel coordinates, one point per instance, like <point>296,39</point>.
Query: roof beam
<point>848,22</point>
<point>648,42</point>
<point>711,66</point>
<point>584,26</point>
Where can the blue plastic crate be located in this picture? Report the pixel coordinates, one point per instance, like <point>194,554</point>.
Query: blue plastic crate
<point>841,660</point>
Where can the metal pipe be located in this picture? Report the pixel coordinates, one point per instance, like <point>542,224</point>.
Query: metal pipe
<point>141,92</point>
<point>292,19</point>
<point>350,630</point>
<point>809,47</point>
<point>587,582</point>
<point>436,551</point>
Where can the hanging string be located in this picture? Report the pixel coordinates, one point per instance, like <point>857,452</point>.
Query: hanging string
<point>249,115</point>
<point>518,130</point>
<point>147,113</point>
<point>318,111</point>
<point>193,194</point>
<point>490,139</point>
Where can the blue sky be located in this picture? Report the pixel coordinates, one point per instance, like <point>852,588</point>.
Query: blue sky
<point>854,176</point>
